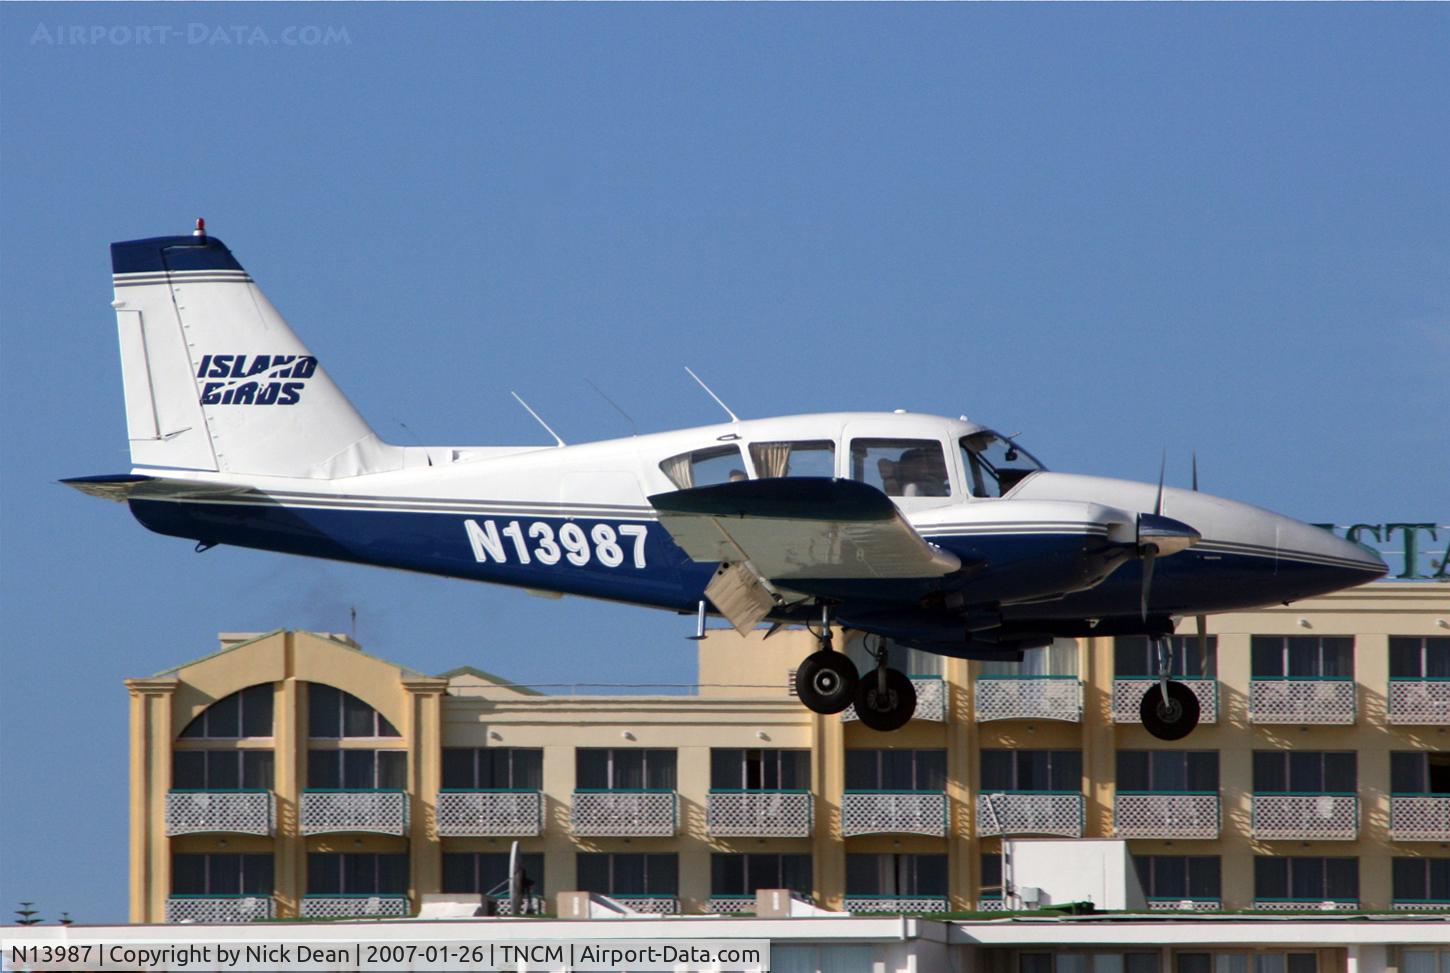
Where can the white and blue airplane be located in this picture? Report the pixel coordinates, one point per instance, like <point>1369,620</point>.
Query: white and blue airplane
<point>933,533</point>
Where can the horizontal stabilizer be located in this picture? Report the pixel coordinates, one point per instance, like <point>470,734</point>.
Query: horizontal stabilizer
<point>121,487</point>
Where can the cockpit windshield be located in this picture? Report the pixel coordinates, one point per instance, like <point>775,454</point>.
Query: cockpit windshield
<point>994,463</point>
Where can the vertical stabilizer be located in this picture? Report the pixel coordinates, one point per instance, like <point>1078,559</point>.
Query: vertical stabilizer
<point>216,380</point>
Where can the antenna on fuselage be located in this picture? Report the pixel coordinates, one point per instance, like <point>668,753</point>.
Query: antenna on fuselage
<point>538,418</point>
<point>633,431</point>
<point>711,393</point>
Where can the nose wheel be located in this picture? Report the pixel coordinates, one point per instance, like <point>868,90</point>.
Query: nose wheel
<point>1170,709</point>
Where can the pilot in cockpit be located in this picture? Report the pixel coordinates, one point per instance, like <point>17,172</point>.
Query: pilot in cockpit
<point>922,473</point>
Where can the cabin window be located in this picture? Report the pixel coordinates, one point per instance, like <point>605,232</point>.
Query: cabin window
<point>705,467</point>
<point>815,457</point>
<point>901,467</point>
<point>994,465</point>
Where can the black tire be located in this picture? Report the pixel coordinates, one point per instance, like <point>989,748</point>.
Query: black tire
<point>826,682</point>
<point>1175,720</point>
<point>889,710</point>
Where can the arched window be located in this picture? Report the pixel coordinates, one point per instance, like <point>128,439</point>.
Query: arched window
<point>247,713</point>
<point>333,714</point>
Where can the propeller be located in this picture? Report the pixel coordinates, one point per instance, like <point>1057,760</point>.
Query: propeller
<point>1201,619</point>
<point>1159,536</point>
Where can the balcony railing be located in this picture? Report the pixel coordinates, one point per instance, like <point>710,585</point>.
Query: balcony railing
<point>353,906</point>
<point>618,813</point>
<point>660,905</point>
<point>218,908</point>
<point>1028,698</point>
<point>1183,904</point>
<point>991,903</point>
<point>931,700</point>
<point>1419,702</point>
<point>730,905</point>
<point>1300,700</point>
<point>232,812</point>
<point>893,812</point>
<point>1030,812</point>
<point>1166,814</point>
<point>1128,696</point>
<point>377,811</point>
<point>1439,906</point>
<point>1420,817</point>
<point>1306,817</point>
<point>490,812</point>
<point>1307,905</point>
<point>896,903</point>
<point>759,814</point>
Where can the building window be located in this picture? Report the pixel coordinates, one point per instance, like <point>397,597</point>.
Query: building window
<point>747,874</point>
<point>333,714</point>
<point>1098,962</point>
<point>215,873</point>
<point>357,873</point>
<point>1306,879</point>
<point>1031,770</point>
<point>221,770</point>
<point>1424,960</point>
<point>247,713</point>
<point>1057,659</point>
<point>361,770</point>
<point>1420,658</point>
<point>760,770</point>
<point>991,884</point>
<point>1167,771</point>
<point>493,768</point>
<point>1135,657</point>
<point>1263,962</point>
<point>1179,876</point>
<point>901,467</point>
<point>1419,772</point>
<point>815,457</point>
<point>1305,772</point>
<point>896,770</point>
<point>1421,879</point>
<point>487,872</point>
<point>631,874</point>
<point>705,467</point>
<point>624,770</point>
<point>1302,657</point>
<point>896,874</point>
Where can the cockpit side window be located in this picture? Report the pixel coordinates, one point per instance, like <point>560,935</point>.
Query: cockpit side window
<point>705,467</point>
<point>815,457</point>
<point>901,467</point>
<point>994,465</point>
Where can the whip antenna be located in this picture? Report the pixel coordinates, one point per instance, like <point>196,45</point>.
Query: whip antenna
<point>711,393</point>
<point>538,418</point>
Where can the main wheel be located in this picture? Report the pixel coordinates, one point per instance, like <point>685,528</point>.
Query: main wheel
<point>1173,720</point>
<point>888,709</point>
<point>826,681</point>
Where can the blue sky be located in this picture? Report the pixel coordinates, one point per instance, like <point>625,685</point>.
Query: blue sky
<point>1117,229</point>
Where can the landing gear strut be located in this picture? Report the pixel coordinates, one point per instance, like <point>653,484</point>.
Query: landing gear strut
<point>826,680</point>
<point>885,699</point>
<point>1169,710</point>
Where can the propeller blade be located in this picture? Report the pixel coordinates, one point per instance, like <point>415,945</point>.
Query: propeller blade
<point>1162,468</point>
<point>1150,554</point>
<point>1202,639</point>
<point>1195,471</point>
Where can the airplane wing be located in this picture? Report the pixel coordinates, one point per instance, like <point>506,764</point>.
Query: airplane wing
<point>121,487</point>
<point>766,533</point>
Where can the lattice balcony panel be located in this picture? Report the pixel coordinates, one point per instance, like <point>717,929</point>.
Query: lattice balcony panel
<point>1285,905</point>
<point>991,905</point>
<point>1415,818</point>
<point>1418,702</point>
<point>660,905</point>
<point>760,814</point>
<point>1059,814</point>
<point>1302,701</point>
<point>893,903</point>
<point>1128,696</point>
<point>886,813</point>
<point>1306,817</point>
<point>354,906</point>
<point>1028,699</point>
<point>1166,816</point>
<point>625,813</point>
<point>931,700</point>
<point>231,812</point>
<point>510,813</point>
<point>378,812</point>
<point>1429,908</point>
<point>223,908</point>
<point>730,905</point>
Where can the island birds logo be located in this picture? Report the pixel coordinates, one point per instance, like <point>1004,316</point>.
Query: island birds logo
<point>255,379</point>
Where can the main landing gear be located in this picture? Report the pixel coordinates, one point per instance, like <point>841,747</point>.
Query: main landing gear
<point>1169,710</point>
<point>827,682</point>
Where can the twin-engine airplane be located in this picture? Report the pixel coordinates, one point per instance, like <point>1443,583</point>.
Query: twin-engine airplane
<point>935,533</point>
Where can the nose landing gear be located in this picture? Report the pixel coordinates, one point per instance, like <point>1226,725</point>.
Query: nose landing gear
<point>1170,709</point>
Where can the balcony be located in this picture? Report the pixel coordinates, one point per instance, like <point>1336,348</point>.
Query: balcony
<point>1128,695</point>
<point>379,812</point>
<point>353,906</point>
<point>759,814</point>
<point>896,903</point>
<point>218,908</point>
<point>1166,814</point>
<point>893,812</point>
<point>660,905</point>
<point>1168,904</point>
<point>931,700</point>
<point>1419,702</point>
<point>730,905</point>
<point>230,812</point>
<point>1028,698</point>
<point>1307,905</point>
<point>1030,812</point>
<point>991,903</point>
<point>1437,906</point>
<point>1305,817</point>
<point>1301,701</point>
<point>610,814</point>
<point>495,812</point>
<point>1420,817</point>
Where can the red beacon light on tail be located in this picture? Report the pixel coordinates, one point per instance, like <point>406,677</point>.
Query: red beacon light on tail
<point>200,227</point>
